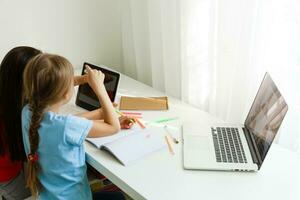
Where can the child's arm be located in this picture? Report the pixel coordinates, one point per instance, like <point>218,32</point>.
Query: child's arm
<point>125,122</point>
<point>111,123</point>
<point>94,114</point>
<point>78,80</point>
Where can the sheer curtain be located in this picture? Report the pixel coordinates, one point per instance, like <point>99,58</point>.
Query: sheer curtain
<point>213,53</point>
<point>151,43</point>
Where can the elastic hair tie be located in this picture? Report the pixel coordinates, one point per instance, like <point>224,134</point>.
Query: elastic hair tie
<point>33,157</point>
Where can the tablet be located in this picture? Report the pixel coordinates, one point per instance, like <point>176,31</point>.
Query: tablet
<point>87,99</point>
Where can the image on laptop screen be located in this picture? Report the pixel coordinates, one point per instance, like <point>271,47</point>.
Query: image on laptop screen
<point>266,115</point>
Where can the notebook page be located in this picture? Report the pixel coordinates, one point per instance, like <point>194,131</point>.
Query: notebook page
<point>98,142</point>
<point>137,145</point>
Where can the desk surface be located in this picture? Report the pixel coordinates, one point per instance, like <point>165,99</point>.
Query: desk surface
<point>161,175</point>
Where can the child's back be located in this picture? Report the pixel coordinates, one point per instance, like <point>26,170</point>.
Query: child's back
<point>61,154</point>
<point>54,142</point>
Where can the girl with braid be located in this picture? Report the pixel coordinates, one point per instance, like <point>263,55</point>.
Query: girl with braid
<point>53,142</point>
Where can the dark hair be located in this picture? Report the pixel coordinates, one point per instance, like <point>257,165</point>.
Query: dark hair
<point>11,92</point>
<point>47,79</point>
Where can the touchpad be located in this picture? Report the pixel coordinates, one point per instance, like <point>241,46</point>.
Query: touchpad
<point>194,142</point>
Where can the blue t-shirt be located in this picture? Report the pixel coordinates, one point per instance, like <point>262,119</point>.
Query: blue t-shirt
<point>61,155</point>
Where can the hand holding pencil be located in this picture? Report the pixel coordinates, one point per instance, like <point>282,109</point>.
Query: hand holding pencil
<point>126,122</point>
<point>134,119</point>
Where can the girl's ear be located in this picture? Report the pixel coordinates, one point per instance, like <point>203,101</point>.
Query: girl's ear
<point>68,95</point>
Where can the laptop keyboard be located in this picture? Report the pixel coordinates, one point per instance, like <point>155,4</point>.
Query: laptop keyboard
<point>228,145</point>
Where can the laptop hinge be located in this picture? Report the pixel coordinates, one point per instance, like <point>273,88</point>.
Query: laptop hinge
<point>252,147</point>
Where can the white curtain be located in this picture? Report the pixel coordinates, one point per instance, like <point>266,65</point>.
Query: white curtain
<point>213,53</point>
<point>151,44</point>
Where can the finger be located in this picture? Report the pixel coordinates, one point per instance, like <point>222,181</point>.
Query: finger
<point>132,120</point>
<point>115,104</point>
<point>85,76</point>
<point>121,118</point>
<point>88,68</point>
<point>129,125</point>
<point>101,73</point>
<point>124,126</point>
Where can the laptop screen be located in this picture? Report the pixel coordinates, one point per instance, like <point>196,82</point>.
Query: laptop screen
<point>266,115</point>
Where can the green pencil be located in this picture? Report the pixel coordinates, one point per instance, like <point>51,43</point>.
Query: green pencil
<point>163,120</point>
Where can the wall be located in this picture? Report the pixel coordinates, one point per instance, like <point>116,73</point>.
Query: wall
<point>77,29</point>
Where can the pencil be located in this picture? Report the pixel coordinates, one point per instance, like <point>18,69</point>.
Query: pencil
<point>139,122</point>
<point>133,116</point>
<point>135,119</point>
<point>132,113</point>
<point>170,135</point>
<point>169,145</point>
<point>120,113</point>
<point>163,120</point>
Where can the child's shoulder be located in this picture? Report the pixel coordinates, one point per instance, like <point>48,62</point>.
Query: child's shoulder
<point>69,120</point>
<point>75,120</point>
<point>49,116</point>
<point>56,118</point>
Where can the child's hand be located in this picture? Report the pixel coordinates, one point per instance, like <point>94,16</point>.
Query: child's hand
<point>95,79</point>
<point>126,122</point>
<point>78,80</point>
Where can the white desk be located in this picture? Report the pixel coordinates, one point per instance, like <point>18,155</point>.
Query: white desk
<point>161,176</point>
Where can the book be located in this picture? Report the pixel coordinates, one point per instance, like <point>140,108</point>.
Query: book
<point>131,145</point>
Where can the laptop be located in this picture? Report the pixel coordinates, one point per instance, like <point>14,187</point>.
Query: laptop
<point>229,147</point>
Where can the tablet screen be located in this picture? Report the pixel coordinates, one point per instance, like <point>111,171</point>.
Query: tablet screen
<point>86,97</point>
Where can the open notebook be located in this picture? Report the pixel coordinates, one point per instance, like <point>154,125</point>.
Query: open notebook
<point>130,145</point>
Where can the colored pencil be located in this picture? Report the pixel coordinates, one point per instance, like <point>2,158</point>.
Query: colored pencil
<point>117,111</point>
<point>170,135</point>
<point>169,145</point>
<point>133,116</point>
<point>139,123</point>
<point>120,113</point>
<point>132,113</point>
<point>135,119</point>
<point>163,120</point>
